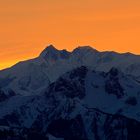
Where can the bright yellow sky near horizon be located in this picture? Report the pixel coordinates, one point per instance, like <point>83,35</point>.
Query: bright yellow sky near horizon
<point>27,26</point>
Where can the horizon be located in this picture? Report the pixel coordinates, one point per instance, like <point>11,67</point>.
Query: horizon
<point>26,26</point>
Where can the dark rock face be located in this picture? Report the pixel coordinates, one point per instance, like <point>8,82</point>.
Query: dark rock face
<point>72,85</point>
<point>113,72</point>
<point>4,95</point>
<point>132,101</point>
<point>112,85</point>
<point>79,72</point>
<point>72,129</point>
<point>101,126</point>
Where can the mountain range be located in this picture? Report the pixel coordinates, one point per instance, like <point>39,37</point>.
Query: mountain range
<point>80,95</point>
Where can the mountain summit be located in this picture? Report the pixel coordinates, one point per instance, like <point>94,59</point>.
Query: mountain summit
<point>49,49</point>
<point>50,52</point>
<point>84,49</point>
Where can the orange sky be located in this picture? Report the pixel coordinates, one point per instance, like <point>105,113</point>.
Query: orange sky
<point>27,26</point>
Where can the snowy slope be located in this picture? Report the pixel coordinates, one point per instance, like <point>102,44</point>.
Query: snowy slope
<point>82,104</point>
<point>112,92</point>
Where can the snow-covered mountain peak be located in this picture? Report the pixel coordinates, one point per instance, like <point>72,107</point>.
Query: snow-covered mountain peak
<point>48,50</point>
<point>84,49</point>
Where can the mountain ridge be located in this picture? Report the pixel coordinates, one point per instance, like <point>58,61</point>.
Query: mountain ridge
<point>88,47</point>
<point>124,53</point>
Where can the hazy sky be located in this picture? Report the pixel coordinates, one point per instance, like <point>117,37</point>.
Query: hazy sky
<point>27,26</point>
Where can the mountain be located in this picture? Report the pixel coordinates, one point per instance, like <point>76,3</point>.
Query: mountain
<point>32,76</point>
<point>82,104</point>
<point>80,95</point>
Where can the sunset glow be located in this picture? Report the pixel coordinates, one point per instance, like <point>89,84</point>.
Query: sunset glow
<point>27,26</point>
